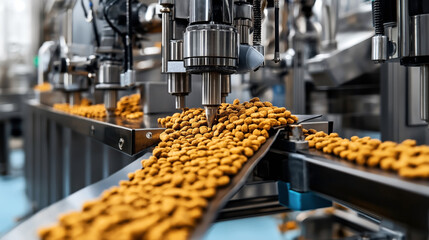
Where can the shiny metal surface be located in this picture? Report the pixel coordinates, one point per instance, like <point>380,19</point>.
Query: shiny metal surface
<point>176,50</point>
<point>329,24</point>
<point>211,94</point>
<point>211,88</point>
<point>404,27</point>
<point>109,130</point>
<point>243,28</point>
<point>179,85</point>
<point>165,38</point>
<point>204,11</point>
<point>229,63</point>
<point>109,74</point>
<point>200,11</point>
<point>74,98</point>
<point>339,66</point>
<point>243,11</point>
<point>225,86</point>
<point>210,41</point>
<point>110,100</point>
<point>74,82</point>
<point>379,48</point>
<point>424,92</point>
<point>420,35</point>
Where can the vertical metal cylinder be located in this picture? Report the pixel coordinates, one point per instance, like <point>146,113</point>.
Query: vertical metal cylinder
<point>211,89</point>
<point>75,98</point>
<point>424,93</point>
<point>176,50</point>
<point>404,27</point>
<point>225,86</point>
<point>69,27</point>
<point>179,85</point>
<point>110,99</point>
<point>217,11</point>
<point>165,38</point>
<point>211,95</point>
<point>199,11</point>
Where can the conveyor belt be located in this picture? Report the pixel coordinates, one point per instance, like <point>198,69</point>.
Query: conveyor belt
<point>49,215</point>
<point>224,194</point>
<point>381,194</point>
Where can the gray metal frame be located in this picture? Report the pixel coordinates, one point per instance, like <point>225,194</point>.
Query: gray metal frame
<point>62,156</point>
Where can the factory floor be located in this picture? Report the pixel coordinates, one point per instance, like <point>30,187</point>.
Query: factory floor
<point>15,206</point>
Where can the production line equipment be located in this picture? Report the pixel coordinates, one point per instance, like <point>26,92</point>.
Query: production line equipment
<point>117,27</point>
<point>212,39</point>
<point>401,35</point>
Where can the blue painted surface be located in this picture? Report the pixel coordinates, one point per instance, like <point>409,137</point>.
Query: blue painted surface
<point>255,228</point>
<point>300,201</point>
<point>13,201</point>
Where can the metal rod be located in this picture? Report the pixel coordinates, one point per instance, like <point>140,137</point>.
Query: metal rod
<point>165,38</point>
<point>404,30</point>
<point>276,32</point>
<point>129,47</point>
<point>424,93</point>
<point>211,95</point>
<point>110,99</point>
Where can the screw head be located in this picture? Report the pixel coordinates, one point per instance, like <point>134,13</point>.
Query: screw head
<point>92,130</point>
<point>121,143</point>
<point>149,135</point>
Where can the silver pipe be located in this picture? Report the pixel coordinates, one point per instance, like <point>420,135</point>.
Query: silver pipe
<point>424,93</point>
<point>211,95</point>
<point>165,39</point>
<point>110,99</point>
<point>179,85</point>
<point>329,23</point>
<point>69,27</point>
<point>225,86</point>
<point>75,98</point>
<point>180,101</point>
<point>199,11</point>
<point>404,24</point>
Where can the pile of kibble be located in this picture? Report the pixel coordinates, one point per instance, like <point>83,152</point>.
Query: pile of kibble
<point>84,109</point>
<point>405,158</point>
<point>43,87</point>
<point>168,196</point>
<point>127,107</point>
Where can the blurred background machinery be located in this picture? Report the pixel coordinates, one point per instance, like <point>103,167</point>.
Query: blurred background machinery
<point>311,56</point>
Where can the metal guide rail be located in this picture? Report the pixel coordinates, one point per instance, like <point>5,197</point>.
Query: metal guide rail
<point>380,194</point>
<point>127,136</point>
<point>49,215</point>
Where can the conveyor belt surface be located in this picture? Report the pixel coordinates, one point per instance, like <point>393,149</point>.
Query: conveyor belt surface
<point>47,216</point>
<point>381,194</point>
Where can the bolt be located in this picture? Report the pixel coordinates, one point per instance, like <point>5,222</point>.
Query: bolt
<point>149,135</point>
<point>92,130</point>
<point>121,143</point>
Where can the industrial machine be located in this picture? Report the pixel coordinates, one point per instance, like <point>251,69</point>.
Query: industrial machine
<point>400,41</point>
<point>209,43</point>
<point>209,38</point>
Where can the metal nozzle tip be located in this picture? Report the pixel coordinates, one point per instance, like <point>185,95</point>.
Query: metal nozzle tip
<point>180,101</point>
<point>211,113</point>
